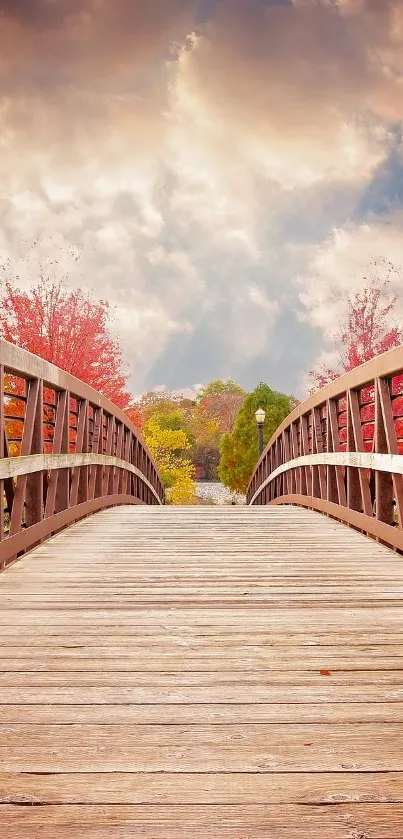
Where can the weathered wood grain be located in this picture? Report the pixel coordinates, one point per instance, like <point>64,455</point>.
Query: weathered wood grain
<point>219,694</point>
<point>198,714</point>
<point>202,673</point>
<point>219,748</point>
<point>312,788</point>
<point>344,821</point>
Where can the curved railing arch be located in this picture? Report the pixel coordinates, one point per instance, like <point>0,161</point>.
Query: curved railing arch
<point>65,452</point>
<point>341,452</point>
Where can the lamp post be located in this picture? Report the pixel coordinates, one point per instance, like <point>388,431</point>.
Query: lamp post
<point>260,418</point>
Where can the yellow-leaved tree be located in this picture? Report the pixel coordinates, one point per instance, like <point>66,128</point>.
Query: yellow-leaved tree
<point>168,446</point>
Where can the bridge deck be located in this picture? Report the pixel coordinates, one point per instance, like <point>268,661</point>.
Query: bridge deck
<point>202,672</point>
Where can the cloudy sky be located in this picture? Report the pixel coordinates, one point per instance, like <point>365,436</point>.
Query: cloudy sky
<point>225,167</point>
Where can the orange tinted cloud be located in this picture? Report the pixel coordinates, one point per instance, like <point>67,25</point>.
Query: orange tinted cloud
<point>45,43</point>
<point>174,158</point>
<point>305,63</point>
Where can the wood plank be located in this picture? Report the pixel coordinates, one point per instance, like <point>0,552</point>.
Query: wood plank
<point>199,714</point>
<point>324,693</point>
<point>235,748</point>
<point>167,677</point>
<point>202,672</point>
<point>151,788</point>
<point>375,821</point>
<point>284,671</point>
<point>153,636</point>
<point>48,647</point>
<point>309,618</point>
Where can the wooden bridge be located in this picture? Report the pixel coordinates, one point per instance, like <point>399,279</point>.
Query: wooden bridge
<point>201,672</point>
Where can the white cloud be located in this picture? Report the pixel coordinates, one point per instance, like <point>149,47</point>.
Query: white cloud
<point>343,263</point>
<point>252,318</point>
<point>348,261</point>
<point>173,178</point>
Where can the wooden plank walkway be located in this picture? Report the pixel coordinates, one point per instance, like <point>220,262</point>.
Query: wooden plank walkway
<point>202,673</point>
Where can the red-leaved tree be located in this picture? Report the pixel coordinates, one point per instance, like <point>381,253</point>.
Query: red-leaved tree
<point>219,402</point>
<point>371,327</point>
<point>135,415</point>
<point>68,328</point>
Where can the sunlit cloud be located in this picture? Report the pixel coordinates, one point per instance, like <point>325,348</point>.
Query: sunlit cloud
<point>216,169</point>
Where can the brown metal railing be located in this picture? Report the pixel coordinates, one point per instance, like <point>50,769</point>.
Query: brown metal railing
<point>65,452</point>
<point>341,452</point>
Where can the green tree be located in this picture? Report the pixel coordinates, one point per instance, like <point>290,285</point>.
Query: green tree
<point>239,450</point>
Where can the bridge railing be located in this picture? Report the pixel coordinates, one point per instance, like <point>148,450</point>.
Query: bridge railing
<point>341,452</point>
<point>65,452</point>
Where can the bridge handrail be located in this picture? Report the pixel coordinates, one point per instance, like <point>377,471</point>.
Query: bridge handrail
<point>341,452</point>
<point>65,452</point>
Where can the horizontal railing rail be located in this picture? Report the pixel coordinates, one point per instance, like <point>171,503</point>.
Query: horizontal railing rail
<point>65,452</point>
<point>341,452</point>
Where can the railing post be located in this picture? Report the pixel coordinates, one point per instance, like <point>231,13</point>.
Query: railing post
<point>383,480</point>
<point>34,491</point>
<point>354,497</point>
<point>306,483</point>
<point>2,436</point>
<point>57,496</point>
<point>317,418</point>
<point>335,484</point>
<point>358,491</point>
<point>84,481</point>
<point>119,447</point>
<point>391,441</point>
<point>95,476</point>
<point>110,431</point>
<point>331,470</point>
<point>294,449</point>
<point>126,456</point>
<point>32,439</point>
<point>287,455</point>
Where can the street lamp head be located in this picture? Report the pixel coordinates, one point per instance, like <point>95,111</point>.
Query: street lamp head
<point>260,416</point>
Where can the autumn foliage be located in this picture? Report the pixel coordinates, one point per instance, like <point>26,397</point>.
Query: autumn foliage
<point>219,403</point>
<point>69,329</point>
<point>184,435</point>
<point>167,433</point>
<point>135,415</point>
<point>170,448</point>
<point>370,328</point>
<point>212,437</point>
<point>214,414</point>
